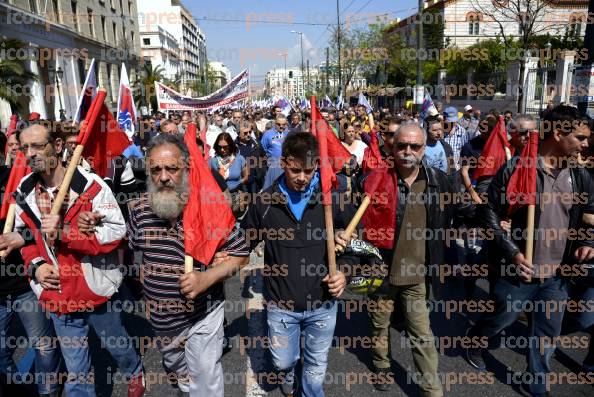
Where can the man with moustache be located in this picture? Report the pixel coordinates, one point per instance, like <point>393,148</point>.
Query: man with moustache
<point>74,272</point>
<point>415,204</point>
<point>186,310</point>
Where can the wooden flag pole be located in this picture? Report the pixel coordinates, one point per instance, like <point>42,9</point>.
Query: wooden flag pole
<point>358,215</point>
<point>530,235</point>
<point>92,115</point>
<point>188,264</point>
<point>330,246</point>
<point>8,224</point>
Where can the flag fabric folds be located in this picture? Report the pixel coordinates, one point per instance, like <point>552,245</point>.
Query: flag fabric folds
<point>428,107</point>
<point>126,109</point>
<point>87,95</point>
<point>208,219</point>
<point>521,188</point>
<point>333,155</point>
<point>326,102</point>
<point>372,157</point>
<point>363,101</point>
<point>493,155</point>
<point>101,136</point>
<point>17,172</point>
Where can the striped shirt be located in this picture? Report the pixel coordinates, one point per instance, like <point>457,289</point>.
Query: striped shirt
<point>162,249</point>
<point>458,138</point>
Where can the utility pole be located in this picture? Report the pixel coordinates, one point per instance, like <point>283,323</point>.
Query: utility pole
<point>419,47</point>
<point>589,43</point>
<point>338,42</point>
<point>286,77</point>
<point>302,65</point>
<point>327,90</point>
<point>308,86</point>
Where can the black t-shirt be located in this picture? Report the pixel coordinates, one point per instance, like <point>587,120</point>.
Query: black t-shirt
<point>471,152</point>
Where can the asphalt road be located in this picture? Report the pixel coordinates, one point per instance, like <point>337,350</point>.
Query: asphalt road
<point>246,365</point>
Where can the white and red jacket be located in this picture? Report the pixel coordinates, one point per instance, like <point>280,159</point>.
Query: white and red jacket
<point>88,265</point>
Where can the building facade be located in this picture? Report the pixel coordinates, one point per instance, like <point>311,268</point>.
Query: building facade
<point>220,74</point>
<point>159,47</point>
<point>173,17</point>
<point>466,22</point>
<point>61,38</point>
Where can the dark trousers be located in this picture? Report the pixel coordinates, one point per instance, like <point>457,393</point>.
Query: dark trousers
<point>543,302</point>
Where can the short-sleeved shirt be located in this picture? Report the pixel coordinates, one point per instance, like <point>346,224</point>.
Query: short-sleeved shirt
<point>435,156</point>
<point>272,143</point>
<point>162,249</point>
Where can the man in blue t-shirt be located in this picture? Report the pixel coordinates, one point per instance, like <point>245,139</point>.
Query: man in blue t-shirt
<point>272,143</point>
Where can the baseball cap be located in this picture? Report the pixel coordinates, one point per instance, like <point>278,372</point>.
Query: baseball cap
<point>34,116</point>
<point>467,108</point>
<point>451,113</point>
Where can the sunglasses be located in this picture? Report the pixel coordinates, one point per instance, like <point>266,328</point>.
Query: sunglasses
<point>414,146</point>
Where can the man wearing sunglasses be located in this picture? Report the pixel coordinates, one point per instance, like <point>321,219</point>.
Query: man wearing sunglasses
<point>518,128</point>
<point>417,208</point>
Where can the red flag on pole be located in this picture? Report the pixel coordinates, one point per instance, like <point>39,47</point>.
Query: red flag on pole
<point>493,155</point>
<point>372,157</point>
<point>208,219</point>
<point>101,136</point>
<point>521,188</point>
<point>18,171</point>
<point>333,155</point>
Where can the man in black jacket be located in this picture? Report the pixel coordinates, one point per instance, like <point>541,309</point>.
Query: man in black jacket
<point>421,202</point>
<point>299,293</point>
<point>564,193</point>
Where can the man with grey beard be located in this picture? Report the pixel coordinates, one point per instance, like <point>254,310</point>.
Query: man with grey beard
<point>186,309</point>
<point>422,202</point>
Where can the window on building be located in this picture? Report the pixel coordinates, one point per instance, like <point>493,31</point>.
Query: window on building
<point>75,15</point>
<point>523,21</point>
<point>121,7</point>
<point>104,28</point>
<point>115,33</point>
<point>56,9</point>
<point>574,29</point>
<point>474,19</point>
<point>90,20</point>
<point>129,8</point>
<point>33,6</point>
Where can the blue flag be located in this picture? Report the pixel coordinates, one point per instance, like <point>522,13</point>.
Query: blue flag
<point>363,101</point>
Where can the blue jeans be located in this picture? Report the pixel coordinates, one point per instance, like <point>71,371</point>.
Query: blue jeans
<point>510,297</point>
<point>583,320</point>
<point>73,330</point>
<point>284,332</point>
<point>40,336</point>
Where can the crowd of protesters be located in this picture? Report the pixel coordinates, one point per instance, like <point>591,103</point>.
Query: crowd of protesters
<point>423,166</point>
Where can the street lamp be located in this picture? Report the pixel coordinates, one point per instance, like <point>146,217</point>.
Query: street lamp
<point>286,78</point>
<point>302,66</point>
<point>56,77</point>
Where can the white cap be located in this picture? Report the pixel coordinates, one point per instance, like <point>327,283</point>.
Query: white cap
<point>467,108</point>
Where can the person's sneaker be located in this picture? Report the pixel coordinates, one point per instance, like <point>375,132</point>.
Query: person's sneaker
<point>384,379</point>
<point>475,358</point>
<point>136,385</point>
<point>289,386</point>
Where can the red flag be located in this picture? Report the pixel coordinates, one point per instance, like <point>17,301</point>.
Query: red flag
<point>12,127</point>
<point>17,172</point>
<point>101,136</point>
<point>521,188</point>
<point>333,155</point>
<point>372,157</point>
<point>493,155</point>
<point>208,219</point>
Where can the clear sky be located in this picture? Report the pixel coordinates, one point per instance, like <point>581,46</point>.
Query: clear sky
<point>261,29</point>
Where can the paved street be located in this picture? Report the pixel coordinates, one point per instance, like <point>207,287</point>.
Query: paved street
<point>349,366</point>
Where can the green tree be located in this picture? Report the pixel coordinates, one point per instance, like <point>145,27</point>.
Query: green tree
<point>144,86</point>
<point>13,74</point>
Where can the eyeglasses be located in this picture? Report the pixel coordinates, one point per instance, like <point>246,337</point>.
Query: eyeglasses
<point>37,147</point>
<point>413,146</point>
<point>281,125</point>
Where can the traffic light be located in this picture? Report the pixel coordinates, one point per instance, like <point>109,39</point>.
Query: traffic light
<point>290,74</point>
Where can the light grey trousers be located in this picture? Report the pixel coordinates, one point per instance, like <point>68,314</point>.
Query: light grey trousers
<point>194,354</point>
